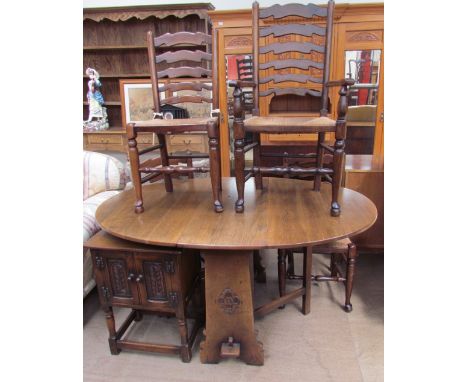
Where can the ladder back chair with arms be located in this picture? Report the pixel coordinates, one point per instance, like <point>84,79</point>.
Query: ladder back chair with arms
<point>309,32</point>
<point>142,173</point>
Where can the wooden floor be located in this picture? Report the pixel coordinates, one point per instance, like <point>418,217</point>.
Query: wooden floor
<point>326,345</point>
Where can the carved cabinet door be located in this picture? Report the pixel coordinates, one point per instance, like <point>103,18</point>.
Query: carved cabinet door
<point>115,278</point>
<point>154,279</point>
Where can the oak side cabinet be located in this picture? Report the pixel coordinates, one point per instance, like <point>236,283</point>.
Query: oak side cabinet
<point>147,279</point>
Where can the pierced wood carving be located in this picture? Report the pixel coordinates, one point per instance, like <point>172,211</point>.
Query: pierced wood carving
<point>155,284</point>
<point>229,301</point>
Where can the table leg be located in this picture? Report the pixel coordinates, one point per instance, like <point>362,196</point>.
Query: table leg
<point>229,308</point>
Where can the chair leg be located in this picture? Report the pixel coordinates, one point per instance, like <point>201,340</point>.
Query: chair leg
<point>190,164</point>
<point>320,152</point>
<point>290,270</point>
<point>165,162</point>
<point>281,273</point>
<point>350,267</point>
<point>220,177</point>
<point>257,162</point>
<point>239,162</point>
<point>135,167</point>
<point>306,281</point>
<point>213,135</point>
<point>333,268</point>
<point>338,158</point>
<point>259,269</point>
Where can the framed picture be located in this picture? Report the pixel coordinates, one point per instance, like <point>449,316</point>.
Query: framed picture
<point>137,100</point>
<point>196,110</point>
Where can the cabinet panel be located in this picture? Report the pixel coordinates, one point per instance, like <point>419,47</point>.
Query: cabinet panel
<point>154,272</point>
<point>114,277</point>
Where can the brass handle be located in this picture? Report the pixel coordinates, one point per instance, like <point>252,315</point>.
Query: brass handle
<point>190,141</point>
<point>139,278</point>
<point>104,140</point>
<point>130,277</point>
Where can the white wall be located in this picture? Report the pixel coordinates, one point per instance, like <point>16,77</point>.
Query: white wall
<point>219,4</point>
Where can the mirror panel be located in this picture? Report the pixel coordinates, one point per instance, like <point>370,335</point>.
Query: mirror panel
<point>364,67</point>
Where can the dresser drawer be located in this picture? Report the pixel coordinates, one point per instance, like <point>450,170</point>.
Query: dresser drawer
<point>187,139</point>
<point>187,142</point>
<point>146,139</point>
<point>114,139</point>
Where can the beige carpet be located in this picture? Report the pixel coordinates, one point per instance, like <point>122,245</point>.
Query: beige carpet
<point>326,345</point>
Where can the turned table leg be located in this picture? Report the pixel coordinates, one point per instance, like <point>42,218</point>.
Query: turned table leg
<point>229,308</point>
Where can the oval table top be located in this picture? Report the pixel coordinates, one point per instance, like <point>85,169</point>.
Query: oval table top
<point>287,213</point>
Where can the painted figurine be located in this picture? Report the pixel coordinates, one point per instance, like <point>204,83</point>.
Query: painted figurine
<point>96,102</point>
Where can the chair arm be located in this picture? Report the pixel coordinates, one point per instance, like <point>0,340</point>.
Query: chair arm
<point>241,84</point>
<point>342,82</point>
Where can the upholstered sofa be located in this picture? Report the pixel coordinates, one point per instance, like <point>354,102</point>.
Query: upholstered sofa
<point>103,177</point>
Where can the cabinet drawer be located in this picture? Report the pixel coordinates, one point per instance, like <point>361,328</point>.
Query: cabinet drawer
<point>187,139</point>
<point>105,139</point>
<point>146,139</point>
<point>186,142</point>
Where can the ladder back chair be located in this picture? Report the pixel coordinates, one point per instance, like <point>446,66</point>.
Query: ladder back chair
<point>341,251</point>
<point>309,35</point>
<point>142,173</point>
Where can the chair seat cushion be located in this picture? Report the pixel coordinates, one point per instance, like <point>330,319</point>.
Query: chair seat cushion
<point>192,124</point>
<point>289,124</point>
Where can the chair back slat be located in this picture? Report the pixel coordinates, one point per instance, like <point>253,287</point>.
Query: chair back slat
<point>183,55</point>
<point>303,78</point>
<point>301,47</point>
<point>182,99</point>
<point>301,10</point>
<point>295,91</point>
<point>299,29</point>
<point>185,71</point>
<point>169,61</point>
<point>182,38</point>
<point>298,45</point>
<point>292,63</point>
<point>195,86</point>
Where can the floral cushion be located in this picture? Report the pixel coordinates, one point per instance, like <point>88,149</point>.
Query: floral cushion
<point>101,173</point>
<point>90,205</point>
<point>90,227</point>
